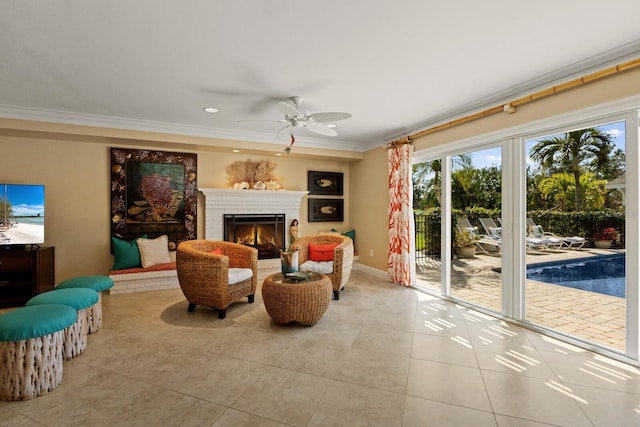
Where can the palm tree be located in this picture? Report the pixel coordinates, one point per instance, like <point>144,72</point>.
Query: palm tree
<point>572,150</point>
<point>422,171</point>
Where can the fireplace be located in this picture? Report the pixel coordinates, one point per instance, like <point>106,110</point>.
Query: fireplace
<point>265,232</point>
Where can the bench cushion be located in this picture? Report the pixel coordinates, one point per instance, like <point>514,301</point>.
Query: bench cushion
<point>35,321</point>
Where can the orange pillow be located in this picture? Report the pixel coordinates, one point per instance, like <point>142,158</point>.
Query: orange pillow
<point>321,252</point>
<point>216,251</point>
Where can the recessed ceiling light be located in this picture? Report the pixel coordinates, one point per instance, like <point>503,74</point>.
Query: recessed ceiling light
<point>210,109</point>
<point>236,151</point>
<point>332,125</point>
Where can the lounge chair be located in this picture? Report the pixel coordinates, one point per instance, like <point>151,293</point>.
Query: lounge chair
<point>485,244</point>
<point>573,242</point>
<point>534,243</point>
<point>491,228</point>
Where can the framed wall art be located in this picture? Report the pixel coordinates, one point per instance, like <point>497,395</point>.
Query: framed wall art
<point>324,183</point>
<point>153,193</point>
<point>326,210</point>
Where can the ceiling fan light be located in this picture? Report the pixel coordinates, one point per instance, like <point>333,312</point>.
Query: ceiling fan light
<point>331,125</point>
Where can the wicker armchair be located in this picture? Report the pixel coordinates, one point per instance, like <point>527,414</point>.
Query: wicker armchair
<point>342,256</point>
<point>204,276</point>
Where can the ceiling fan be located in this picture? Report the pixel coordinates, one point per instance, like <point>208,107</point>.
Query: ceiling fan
<point>294,118</point>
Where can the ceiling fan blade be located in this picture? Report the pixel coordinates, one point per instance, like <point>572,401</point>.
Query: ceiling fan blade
<point>329,117</point>
<point>288,107</point>
<point>321,129</point>
<point>284,132</point>
<point>269,121</point>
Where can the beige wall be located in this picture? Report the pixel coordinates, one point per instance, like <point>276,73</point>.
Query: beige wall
<point>73,162</point>
<point>76,173</point>
<point>369,203</point>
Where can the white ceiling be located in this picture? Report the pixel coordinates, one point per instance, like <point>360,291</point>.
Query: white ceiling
<point>396,66</point>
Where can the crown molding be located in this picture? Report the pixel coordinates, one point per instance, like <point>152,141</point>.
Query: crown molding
<point>592,64</point>
<point>81,119</point>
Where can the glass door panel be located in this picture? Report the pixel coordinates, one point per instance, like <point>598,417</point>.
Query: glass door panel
<point>476,182</point>
<point>427,185</point>
<point>575,233</point>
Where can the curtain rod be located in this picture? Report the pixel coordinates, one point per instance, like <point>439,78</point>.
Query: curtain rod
<point>510,106</point>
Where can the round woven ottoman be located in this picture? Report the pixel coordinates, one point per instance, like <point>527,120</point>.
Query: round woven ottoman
<point>80,299</point>
<point>297,301</point>
<point>31,345</point>
<point>98,284</point>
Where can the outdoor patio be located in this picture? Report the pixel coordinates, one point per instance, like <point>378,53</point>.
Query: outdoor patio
<point>587,315</point>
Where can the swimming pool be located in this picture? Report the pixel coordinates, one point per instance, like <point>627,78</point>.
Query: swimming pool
<point>601,274</point>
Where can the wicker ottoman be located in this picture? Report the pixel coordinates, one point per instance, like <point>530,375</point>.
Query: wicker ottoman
<point>98,284</point>
<point>297,301</point>
<point>31,344</point>
<point>80,299</point>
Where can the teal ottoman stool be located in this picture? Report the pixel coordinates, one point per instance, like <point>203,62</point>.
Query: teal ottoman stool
<point>80,299</point>
<point>98,284</point>
<point>31,345</point>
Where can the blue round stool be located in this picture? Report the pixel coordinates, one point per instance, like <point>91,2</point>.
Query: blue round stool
<point>31,347</point>
<point>98,284</point>
<point>80,299</point>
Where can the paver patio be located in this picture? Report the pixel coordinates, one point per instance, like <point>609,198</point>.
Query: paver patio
<point>586,315</point>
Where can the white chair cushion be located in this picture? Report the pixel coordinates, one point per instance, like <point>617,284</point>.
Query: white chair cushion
<point>321,267</point>
<point>237,275</point>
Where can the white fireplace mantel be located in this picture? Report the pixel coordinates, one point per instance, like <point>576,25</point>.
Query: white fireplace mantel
<point>221,201</point>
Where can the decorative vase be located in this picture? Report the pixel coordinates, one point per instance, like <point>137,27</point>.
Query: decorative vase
<point>467,251</point>
<point>289,262</point>
<point>602,244</point>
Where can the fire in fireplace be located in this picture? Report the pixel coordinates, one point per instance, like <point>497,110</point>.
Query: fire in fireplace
<point>265,232</point>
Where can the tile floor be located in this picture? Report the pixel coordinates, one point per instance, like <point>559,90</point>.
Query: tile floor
<point>382,355</point>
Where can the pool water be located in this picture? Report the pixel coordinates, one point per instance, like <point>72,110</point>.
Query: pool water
<point>601,274</point>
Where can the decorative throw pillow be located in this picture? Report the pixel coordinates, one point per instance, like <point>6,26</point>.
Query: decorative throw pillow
<point>154,251</point>
<point>216,251</point>
<point>350,234</point>
<point>126,254</point>
<point>321,252</point>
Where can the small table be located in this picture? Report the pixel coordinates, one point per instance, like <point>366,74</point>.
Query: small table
<point>303,301</point>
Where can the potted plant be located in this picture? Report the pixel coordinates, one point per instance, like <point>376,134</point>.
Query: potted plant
<point>465,241</point>
<point>603,238</point>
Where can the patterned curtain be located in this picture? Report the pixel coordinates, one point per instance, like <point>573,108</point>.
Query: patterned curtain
<point>401,266</point>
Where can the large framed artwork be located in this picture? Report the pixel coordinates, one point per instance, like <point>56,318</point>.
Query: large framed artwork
<point>325,210</point>
<point>324,183</point>
<point>153,193</point>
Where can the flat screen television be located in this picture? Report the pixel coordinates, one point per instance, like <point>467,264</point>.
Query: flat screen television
<point>21,214</point>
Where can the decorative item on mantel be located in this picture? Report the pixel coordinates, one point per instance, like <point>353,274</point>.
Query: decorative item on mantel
<point>252,175</point>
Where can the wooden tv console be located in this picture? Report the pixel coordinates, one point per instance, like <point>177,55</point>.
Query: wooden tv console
<point>25,272</point>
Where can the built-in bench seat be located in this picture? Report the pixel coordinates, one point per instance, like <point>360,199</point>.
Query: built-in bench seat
<point>157,277</point>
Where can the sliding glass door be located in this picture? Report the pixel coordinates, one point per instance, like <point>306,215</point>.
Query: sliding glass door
<point>575,233</point>
<point>552,218</point>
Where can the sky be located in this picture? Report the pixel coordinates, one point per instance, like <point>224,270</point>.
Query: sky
<point>492,156</point>
<point>27,200</point>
